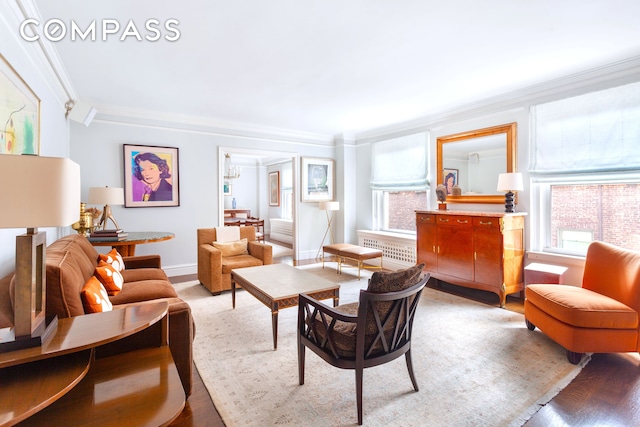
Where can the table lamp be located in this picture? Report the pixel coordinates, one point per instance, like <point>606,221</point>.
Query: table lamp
<point>106,196</point>
<point>328,206</point>
<point>510,182</point>
<point>36,192</point>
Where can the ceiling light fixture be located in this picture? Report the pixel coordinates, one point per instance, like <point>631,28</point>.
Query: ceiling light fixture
<point>230,172</point>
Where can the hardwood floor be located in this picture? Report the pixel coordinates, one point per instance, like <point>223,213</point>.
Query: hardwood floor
<point>605,393</point>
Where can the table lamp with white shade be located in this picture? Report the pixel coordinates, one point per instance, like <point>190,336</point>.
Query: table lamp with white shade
<point>106,196</point>
<point>510,182</point>
<point>36,192</point>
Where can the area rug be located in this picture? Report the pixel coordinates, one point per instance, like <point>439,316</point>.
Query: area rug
<point>476,365</point>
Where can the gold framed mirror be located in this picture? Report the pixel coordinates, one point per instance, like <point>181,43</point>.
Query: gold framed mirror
<point>473,160</point>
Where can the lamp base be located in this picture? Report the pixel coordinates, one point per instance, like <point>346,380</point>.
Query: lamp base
<point>509,204</point>
<point>45,330</point>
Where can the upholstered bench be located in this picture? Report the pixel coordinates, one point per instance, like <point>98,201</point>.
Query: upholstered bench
<point>353,252</point>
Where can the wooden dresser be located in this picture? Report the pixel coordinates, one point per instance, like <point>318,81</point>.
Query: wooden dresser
<point>478,250</point>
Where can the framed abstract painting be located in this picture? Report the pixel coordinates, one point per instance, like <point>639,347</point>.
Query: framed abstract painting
<point>151,176</point>
<point>19,113</point>
<point>317,179</point>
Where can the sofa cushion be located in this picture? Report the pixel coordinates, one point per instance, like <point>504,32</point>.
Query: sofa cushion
<point>65,280</point>
<point>94,297</point>
<point>227,234</point>
<point>393,281</point>
<point>239,261</point>
<point>113,258</point>
<point>237,247</point>
<point>110,278</point>
<point>144,290</point>
<point>138,274</point>
<point>581,307</point>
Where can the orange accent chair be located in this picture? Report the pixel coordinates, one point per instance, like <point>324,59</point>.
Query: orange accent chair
<point>599,317</point>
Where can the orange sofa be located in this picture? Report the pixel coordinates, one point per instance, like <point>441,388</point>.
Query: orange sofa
<point>601,316</point>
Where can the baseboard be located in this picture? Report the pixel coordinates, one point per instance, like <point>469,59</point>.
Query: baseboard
<point>180,270</point>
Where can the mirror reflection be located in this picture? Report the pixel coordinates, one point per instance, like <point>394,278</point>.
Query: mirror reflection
<point>472,162</point>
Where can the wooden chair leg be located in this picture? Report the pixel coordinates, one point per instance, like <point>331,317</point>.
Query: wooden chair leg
<point>407,356</point>
<point>359,373</point>
<point>301,349</point>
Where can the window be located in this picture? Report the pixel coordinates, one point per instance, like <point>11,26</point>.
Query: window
<point>585,171</point>
<point>286,191</point>
<point>399,182</point>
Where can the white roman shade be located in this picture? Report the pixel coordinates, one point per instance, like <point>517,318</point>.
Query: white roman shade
<point>400,163</point>
<point>595,132</point>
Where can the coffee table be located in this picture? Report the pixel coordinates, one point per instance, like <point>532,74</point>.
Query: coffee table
<point>278,286</point>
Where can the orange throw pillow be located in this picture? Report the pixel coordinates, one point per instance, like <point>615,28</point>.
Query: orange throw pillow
<point>110,278</point>
<point>94,297</point>
<point>113,258</point>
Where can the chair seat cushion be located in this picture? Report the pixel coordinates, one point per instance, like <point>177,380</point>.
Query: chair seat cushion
<point>239,261</point>
<point>581,307</point>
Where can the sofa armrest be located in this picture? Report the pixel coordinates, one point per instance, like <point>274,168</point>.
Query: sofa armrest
<point>142,261</point>
<point>261,251</point>
<point>210,267</point>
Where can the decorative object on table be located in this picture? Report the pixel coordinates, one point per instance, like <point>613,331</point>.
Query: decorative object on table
<point>233,203</point>
<point>230,172</point>
<point>274,188</point>
<point>84,225</point>
<point>441,195</point>
<point>317,179</point>
<point>151,177</point>
<point>110,235</point>
<point>327,207</point>
<point>106,196</point>
<point>46,193</point>
<point>19,112</point>
<point>510,182</point>
<point>456,190</point>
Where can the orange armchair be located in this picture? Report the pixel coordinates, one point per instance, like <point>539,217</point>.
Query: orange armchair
<point>599,317</point>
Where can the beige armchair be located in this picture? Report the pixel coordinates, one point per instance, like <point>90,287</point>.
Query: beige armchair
<point>214,270</point>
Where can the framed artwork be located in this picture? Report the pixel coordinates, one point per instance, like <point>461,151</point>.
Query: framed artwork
<point>449,179</point>
<point>19,113</point>
<point>151,176</point>
<point>274,188</point>
<point>317,179</point>
<point>226,189</point>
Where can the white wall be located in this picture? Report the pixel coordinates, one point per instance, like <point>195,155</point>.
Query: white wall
<point>98,150</point>
<point>26,59</point>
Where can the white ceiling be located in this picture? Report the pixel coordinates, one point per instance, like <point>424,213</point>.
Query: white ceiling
<point>335,66</point>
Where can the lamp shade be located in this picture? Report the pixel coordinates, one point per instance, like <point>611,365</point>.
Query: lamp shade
<point>510,182</point>
<point>106,196</point>
<point>38,191</point>
<point>329,206</point>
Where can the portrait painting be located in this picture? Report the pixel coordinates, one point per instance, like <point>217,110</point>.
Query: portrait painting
<point>151,176</point>
<point>449,179</point>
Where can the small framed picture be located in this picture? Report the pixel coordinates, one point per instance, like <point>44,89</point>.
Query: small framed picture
<point>151,177</point>
<point>274,188</point>
<point>317,179</point>
<point>226,189</point>
<point>449,178</point>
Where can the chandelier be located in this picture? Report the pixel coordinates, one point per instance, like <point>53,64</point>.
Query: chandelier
<point>230,172</point>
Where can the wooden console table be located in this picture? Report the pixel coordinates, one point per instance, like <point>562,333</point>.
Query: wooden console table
<point>127,247</point>
<point>481,250</point>
<point>61,383</point>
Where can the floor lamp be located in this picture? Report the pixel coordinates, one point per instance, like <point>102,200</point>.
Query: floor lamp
<point>328,206</point>
<point>35,192</point>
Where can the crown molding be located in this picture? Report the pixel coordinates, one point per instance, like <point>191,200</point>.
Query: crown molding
<point>609,75</point>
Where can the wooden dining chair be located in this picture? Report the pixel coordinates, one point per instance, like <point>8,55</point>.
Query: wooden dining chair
<point>259,226</point>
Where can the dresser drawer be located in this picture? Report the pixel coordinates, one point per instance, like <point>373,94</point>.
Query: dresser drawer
<point>426,219</point>
<point>486,223</point>
<point>455,220</point>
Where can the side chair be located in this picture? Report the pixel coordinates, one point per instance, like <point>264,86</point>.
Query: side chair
<point>373,331</point>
